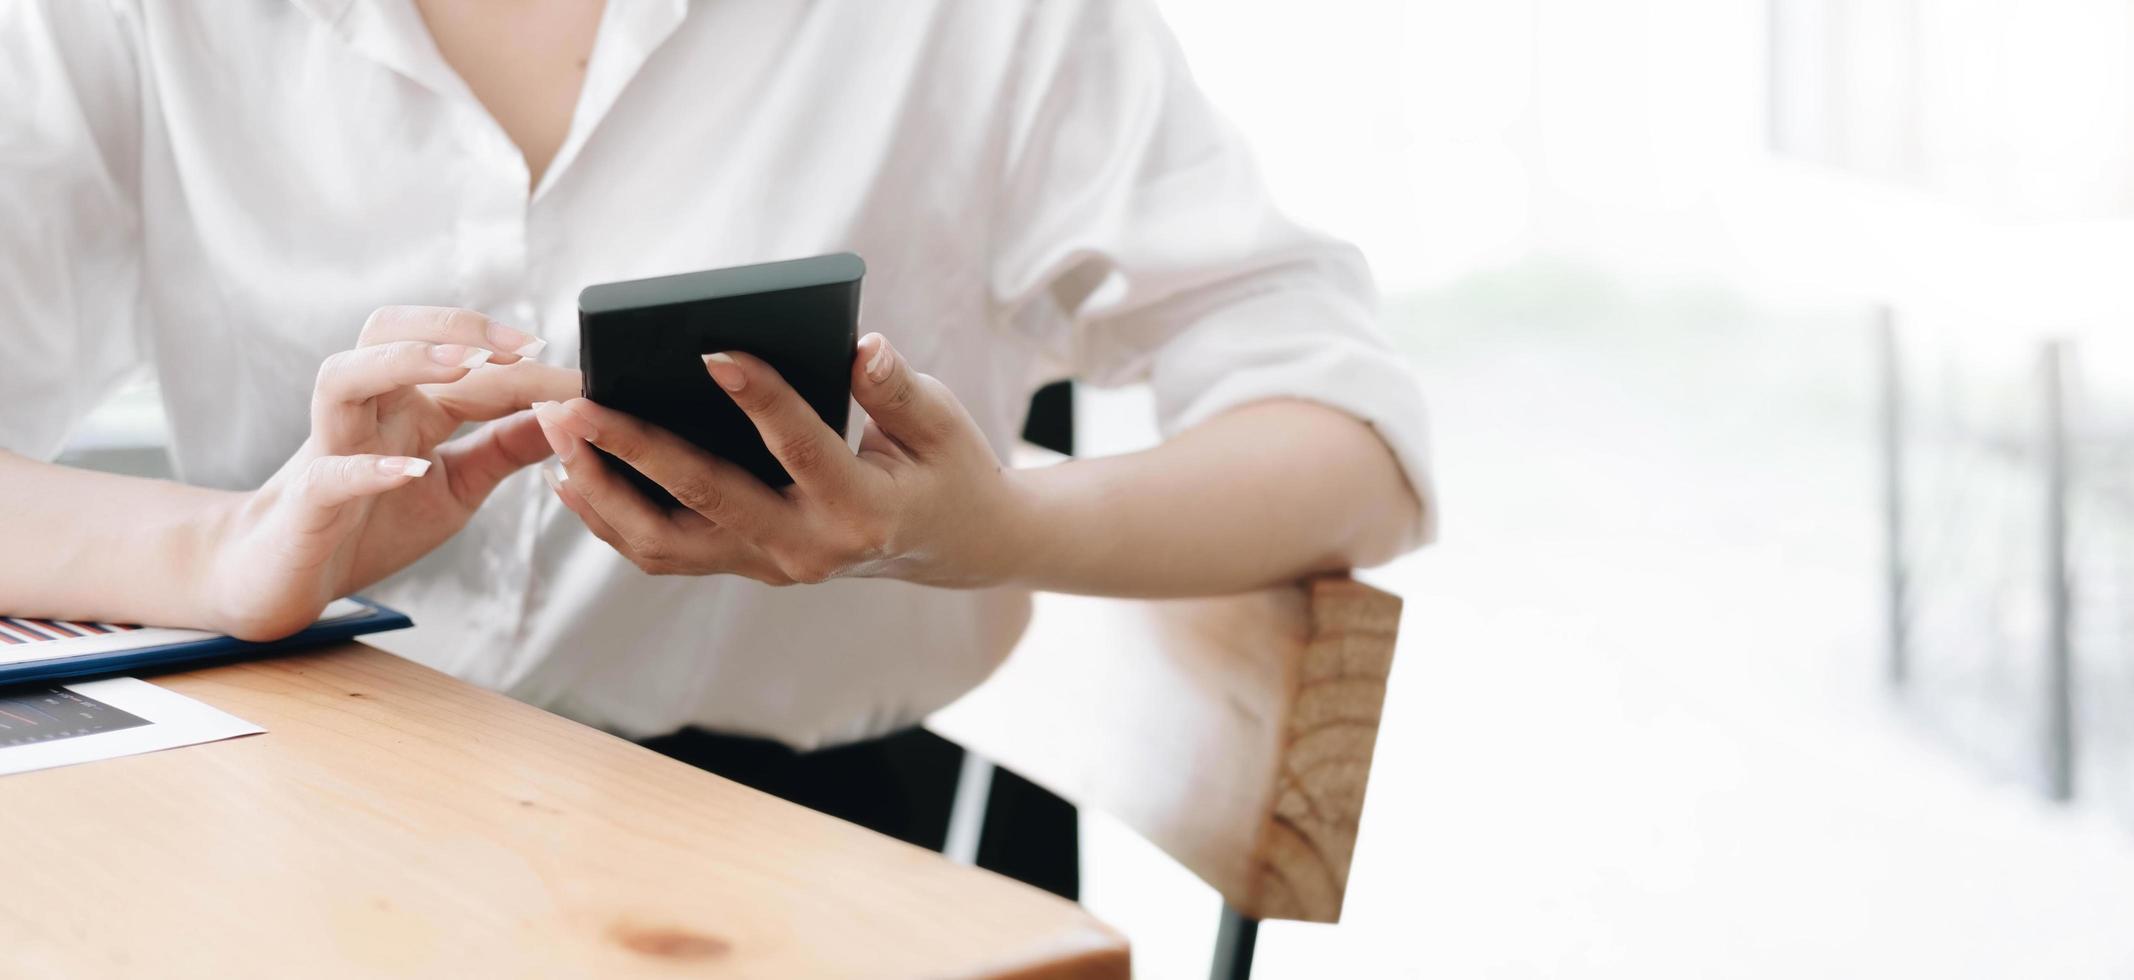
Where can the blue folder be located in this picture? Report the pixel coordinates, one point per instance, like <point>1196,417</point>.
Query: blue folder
<point>197,653</point>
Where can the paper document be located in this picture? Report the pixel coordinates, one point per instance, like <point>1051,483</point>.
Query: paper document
<point>42,726</point>
<point>24,640</point>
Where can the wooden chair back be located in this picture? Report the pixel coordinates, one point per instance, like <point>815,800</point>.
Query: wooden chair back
<point>1235,733</point>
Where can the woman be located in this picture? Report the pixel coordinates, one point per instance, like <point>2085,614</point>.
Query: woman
<point>234,196</point>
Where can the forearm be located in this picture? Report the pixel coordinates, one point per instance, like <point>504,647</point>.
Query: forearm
<point>100,547</point>
<point>1264,494</point>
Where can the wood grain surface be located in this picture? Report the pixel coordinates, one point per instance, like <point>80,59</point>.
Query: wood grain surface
<point>1236,733</point>
<point>396,822</point>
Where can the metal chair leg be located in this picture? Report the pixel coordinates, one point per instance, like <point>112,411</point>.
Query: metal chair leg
<point>1234,940</point>
<point>967,812</point>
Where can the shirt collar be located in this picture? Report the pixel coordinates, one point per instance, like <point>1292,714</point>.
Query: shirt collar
<point>630,31</point>
<point>391,32</point>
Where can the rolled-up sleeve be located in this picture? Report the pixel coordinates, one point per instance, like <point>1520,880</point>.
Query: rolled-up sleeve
<point>1137,243</point>
<point>70,268</point>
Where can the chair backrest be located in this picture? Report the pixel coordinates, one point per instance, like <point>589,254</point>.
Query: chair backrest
<point>1235,733</point>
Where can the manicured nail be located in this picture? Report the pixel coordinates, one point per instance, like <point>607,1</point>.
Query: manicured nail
<point>553,475</point>
<point>397,465</point>
<point>878,362</point>
<point>725,371</point>
<point>561,416</point>
<point>563,428</point>
<point>458,355</point>
<point>516,341</point>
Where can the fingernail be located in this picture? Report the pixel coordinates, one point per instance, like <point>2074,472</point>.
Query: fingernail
<point>553,475</point>
<point>725,371</point>
<point>878,364</point>
<point>397,465</point>
<point>458,355</point>
<point>564,417</point>
<point>563,428</point>
<point>516,341</point>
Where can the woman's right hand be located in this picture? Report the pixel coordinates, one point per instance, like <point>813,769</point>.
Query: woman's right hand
<point>376,485</point>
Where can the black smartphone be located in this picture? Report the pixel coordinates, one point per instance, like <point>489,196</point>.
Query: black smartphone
<point>641,345</point>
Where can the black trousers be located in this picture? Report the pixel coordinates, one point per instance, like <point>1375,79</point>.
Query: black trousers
<point>901,785</point>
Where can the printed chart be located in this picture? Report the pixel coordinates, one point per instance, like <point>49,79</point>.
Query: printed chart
<point>44,714</point>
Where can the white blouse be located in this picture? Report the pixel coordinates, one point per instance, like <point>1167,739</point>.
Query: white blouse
<point>223,191</point>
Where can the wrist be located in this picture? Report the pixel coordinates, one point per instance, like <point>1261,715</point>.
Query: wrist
<point>204,539</point>
<point>1030,519</point>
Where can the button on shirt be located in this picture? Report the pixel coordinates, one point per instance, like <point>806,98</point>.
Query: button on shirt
<point>224,191</point>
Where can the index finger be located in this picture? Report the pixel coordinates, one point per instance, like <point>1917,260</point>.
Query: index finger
<point>721,492</point>
<point>813,453</point>
<point>500,390</point>
<point>449,325</point>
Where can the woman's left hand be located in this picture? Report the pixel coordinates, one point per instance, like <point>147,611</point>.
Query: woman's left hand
<point>925,499</point>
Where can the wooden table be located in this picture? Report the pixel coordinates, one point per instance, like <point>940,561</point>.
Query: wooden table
<point>396,821</point>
